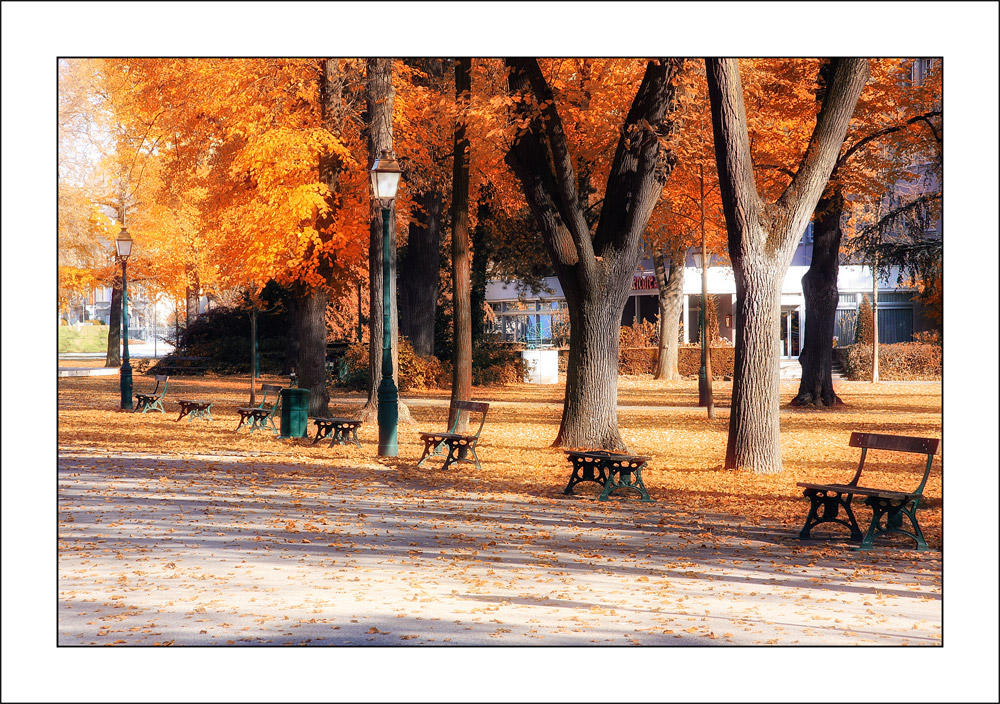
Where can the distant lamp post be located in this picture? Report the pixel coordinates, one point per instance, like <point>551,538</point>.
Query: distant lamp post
<point>385,173</point>
<point>703,260</point>
<point>123,247</point>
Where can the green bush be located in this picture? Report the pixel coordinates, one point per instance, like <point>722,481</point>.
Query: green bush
<point>904,361</point>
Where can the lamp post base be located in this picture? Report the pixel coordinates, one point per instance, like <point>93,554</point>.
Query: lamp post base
<point>126,386</point>
<point>388,418</point>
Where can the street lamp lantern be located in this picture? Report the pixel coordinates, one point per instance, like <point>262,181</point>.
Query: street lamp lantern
<point>385,173</point>
<point>123,245</point>
<point>123,248</point>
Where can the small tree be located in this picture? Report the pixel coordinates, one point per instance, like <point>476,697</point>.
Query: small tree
<point>863,329</point>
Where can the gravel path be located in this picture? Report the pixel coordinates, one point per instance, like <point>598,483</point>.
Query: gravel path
<point>242,551</point>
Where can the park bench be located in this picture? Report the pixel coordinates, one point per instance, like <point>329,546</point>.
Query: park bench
<point>612,470</point>
<point>261,415</point>
<point>152,401</point>
<point>183,365</point>
<point>344,431</point>
<point>459,445</point>
<point>826,500</point>
<point>193,408</point>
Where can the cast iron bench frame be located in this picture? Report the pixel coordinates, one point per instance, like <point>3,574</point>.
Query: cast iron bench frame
<point>261,414</point>
<point>612,470</point>
<point>826,500</point>
<point>153,401</point>
<point>459,445</point>
<point>193,408</point>
<point>344,431</point>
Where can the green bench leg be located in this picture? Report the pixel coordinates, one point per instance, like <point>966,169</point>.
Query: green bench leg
<point>892,511</point>
<point>586,472</point>
<point>625,479</point>
<point>824,507</point>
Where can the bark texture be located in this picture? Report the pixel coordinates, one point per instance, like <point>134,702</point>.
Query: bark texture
<point>380,95</point>
<point>670,282</point>
<point>114,355</point>
<point>418,273</point>
<point>762,239</point>
<point>819,287</point>
<point>461,379</point>
<point>594,266</point>
<point>191,298</point>
<point>310,366</point>
<point>419,263</point>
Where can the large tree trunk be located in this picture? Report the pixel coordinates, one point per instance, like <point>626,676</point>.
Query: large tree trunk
<point>595,268</point>
<point>310,366</point>
<point>379,96</point>
<point>590,406</point>
<point>461,378</point>
<point>762,239</point>
<point>418,273</point>
<point>114,355</point>
<point>670,281</point>
<point>819,286</point>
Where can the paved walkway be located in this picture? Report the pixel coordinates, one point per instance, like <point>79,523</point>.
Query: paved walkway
<point>244,551</point>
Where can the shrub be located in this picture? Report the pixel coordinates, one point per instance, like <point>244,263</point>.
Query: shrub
<point>863,332</point>
<point>642,361</point>
<point>494,362</point>
<point>639,334</point>
<point>904,361</point>
<point>415,372</point>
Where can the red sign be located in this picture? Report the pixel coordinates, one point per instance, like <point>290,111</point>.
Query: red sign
<point>643,282</point>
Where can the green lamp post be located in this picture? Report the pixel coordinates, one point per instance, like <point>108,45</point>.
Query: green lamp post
<point>385,173</point>
<point>123,247</point>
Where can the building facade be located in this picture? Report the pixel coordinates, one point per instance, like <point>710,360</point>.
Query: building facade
<point>539,318</point>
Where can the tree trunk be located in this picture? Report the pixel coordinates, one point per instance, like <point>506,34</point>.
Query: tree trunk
<point>590,406</point>
<point>114,356</point>
<point>420,261</point>
<point>253,355</point>
<point>594,267</point>
<point>483,247</point>
<point>310,365</point>
<point>294,335</point>
<point>762,240</point>
<point>418,273</point>
<point>671,288</point>
<point>380,95</point>
<point>461,379</point>
<point>819,287</point>
<point>191,298</point>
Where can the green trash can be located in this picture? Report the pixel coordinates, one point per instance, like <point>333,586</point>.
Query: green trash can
<point>294,413</point>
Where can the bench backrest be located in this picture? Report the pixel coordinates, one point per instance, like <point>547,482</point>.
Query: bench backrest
<point>469,407</point>
<point>895,443</point>
<point>159,378</point>
<point>270,388</point>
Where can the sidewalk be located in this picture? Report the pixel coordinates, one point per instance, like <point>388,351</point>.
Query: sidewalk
<point>243,551</point>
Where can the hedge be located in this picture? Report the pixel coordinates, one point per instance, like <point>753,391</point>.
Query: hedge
<point>642,360</point>
<point>904,361</point>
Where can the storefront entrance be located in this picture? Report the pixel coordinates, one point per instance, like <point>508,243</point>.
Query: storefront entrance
<point>790,340</point>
